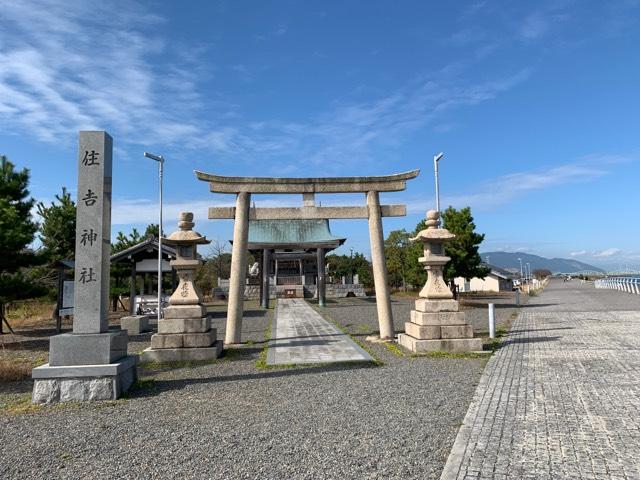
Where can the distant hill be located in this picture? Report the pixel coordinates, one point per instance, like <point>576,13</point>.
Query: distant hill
<point>509,261</point>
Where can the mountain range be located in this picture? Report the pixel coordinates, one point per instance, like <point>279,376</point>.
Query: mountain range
<point>509,261</point>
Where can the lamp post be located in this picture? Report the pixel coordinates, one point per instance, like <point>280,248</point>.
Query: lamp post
<point>351,264</point>
<point>436,159</point>
<point>521,275</point>
<point>160,160</point>
<point>529,274</point>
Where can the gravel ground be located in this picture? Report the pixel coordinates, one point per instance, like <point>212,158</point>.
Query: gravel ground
<point>233,420</point>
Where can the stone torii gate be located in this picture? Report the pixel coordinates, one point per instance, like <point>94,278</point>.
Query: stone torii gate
<point>244,187</point>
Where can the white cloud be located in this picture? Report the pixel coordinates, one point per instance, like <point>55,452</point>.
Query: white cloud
<point>609,252</point>
<point>493,193</point>
<point>579,253</point>
<point>71,65</point>
<point>131,211</point>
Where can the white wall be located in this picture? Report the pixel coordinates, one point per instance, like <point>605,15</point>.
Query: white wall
<point>489,284</point>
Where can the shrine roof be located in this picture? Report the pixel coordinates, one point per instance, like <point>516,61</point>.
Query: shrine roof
<point>148,248</point>
<point>285,234</point>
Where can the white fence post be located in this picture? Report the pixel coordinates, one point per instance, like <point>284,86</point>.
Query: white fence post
<point>492,321</point>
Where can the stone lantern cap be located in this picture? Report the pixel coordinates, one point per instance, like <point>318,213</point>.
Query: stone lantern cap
<point>432,233</point>
<point>186,235</point>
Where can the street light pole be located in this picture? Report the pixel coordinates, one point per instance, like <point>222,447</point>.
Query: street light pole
<point>351,264</point>
<point>529,270</point>
<point>521,275</point>
<point>160,160</point>
<point>436,159</point>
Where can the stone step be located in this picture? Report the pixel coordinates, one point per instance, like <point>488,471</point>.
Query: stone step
<point>424,305</point>
<point>458,345</point>
<point>182,354</point>
<point>184,325</point>
<point>439,319</point>
<point>183,340</point>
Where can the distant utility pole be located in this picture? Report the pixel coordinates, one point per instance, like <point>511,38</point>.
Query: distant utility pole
<point>521,274</point>
<point>351,264</point>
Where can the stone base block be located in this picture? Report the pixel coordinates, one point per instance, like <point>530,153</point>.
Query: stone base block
<point>427,332</point>
<point>83,383</point>
<point>183,340</point>
<point>135,324</point>
<point>456,331</point>
<point>430,306</point>
<point>87,348</point>
<point>184,325</point>
<point>438,318</point>
<point>442,345</point>
<point>182,354</point>
<point>184,311</point>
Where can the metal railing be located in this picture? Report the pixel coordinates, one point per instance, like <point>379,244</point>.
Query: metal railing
<point>624,284</point>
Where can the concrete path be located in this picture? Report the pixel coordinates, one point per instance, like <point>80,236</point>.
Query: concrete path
<point>300,335</point>
<point>561,398</point>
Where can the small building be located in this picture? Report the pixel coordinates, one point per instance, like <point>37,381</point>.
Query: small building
<point>141,261</point>
<point>292,247</point>
<point>498,280</point>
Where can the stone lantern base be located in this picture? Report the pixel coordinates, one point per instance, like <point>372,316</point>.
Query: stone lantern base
<point>438,326</point>
<point>184,334</point>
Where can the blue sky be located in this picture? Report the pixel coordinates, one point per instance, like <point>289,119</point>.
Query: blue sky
<point>535,105</point>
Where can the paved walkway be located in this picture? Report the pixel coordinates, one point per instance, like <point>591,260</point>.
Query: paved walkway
<point>300,335</point>
<point>561,398</point>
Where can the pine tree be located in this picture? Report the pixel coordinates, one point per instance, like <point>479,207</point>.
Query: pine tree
<point>463,250</point>
<point>17,231</point>
<point>58,229</point>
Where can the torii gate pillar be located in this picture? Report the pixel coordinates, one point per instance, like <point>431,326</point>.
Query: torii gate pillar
<point>379,263</point>
<point>238,277</point>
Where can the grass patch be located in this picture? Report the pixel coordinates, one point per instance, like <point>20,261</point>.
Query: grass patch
<point>17,404</point>
<point>17,368</point>
<point>261,363</point>
<point>493,344</point>
<point>65,456</point>
<point>452,355</point>
<point>14,370</point>
<point>407,294</point>
<point>141,385</point>
<point>20,404</point>
<point>29,313</point>
<point>395,349</point>
<point>362,329</point>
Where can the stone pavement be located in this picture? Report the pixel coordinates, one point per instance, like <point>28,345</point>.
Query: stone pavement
<point>300,335</point>
<point>561,398</point>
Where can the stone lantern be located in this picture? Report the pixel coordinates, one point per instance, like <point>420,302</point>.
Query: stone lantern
<point>434,259</point>
<point>436,324</point>
<point>185,332</point>
<point>185,242</point>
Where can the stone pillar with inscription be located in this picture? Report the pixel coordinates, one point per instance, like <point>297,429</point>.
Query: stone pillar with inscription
<point>91,363</point>
<point>185,333</point>
<point>436,324</point>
